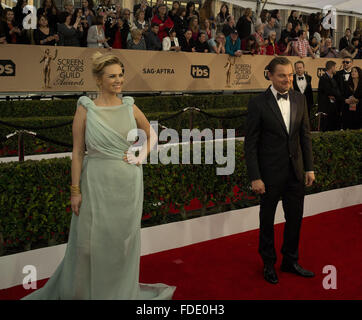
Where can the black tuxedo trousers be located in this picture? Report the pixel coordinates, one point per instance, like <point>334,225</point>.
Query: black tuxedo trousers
<point>291,191</point>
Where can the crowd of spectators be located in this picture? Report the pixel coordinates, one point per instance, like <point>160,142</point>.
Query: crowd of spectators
<point>177,28</point>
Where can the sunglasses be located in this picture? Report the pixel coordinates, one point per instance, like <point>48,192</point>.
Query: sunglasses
<point>346,62</point>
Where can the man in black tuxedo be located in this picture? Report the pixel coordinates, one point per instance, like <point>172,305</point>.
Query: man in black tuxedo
<point>278,149</point>
<point>329,99</point>
<point>302,82</point>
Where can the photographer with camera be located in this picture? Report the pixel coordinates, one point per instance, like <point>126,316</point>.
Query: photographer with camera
<point>82,26</point>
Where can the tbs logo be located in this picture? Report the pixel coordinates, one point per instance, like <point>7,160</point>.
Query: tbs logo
<point>7,68</point>
<point>200,72</point>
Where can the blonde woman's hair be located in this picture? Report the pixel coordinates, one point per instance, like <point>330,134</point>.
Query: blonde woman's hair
<point>100,61</point>
<point>136,33</point>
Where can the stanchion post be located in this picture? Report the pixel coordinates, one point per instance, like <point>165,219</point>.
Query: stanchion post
<point>191,114</point>
<point>21,146</point>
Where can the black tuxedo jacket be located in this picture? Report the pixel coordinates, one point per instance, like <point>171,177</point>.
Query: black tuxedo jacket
<point>328,87</point>
<point>341,81</point>
<point>308,92</point>
<point>269,148</point>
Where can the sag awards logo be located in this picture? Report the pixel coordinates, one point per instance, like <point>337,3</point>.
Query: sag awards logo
<point>242,72</point>
<point>7,68</point>
<point>68,72</point>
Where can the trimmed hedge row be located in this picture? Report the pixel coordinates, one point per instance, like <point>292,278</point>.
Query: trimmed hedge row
<point>63,134</point>
<point>67,107</point>
<point>35,199</point>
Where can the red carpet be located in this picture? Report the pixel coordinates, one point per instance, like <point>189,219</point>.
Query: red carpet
<point>230,267</point>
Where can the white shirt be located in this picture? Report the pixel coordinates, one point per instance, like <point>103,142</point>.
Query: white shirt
<point>347,75</point>
<point>284,106</point>
<point>302,84</point>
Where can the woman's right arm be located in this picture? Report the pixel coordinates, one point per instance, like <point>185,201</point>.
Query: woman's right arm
<point>78,152</point>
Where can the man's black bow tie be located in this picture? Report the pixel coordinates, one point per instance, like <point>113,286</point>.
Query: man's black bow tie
<point>284,96</point>
<point>300,78</point>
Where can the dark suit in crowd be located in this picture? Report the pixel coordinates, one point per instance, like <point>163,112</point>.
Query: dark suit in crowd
<point>328,87</point>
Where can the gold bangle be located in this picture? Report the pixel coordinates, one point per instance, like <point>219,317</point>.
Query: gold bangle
<point>74,189</point>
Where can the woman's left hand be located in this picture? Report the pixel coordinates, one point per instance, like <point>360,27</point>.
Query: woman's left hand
<point>131,158</point>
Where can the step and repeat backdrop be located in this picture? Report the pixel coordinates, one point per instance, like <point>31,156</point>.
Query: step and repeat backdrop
<point>28,68</point>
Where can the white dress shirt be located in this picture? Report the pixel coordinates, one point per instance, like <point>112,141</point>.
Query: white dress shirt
<point>302,84</point>
<point>284,106</point>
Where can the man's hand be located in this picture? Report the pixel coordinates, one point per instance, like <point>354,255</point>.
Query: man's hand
<point>258,186</point>
<point>309,178</point>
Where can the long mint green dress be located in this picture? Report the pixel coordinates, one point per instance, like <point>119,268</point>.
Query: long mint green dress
<point>102,257</point>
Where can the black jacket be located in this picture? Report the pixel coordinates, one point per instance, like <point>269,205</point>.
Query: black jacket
<point>343,43</point>
<point>328,87</point>
<point>187,46</point>
<point>153,42</point>
<point>111,34</point>
<point>341,81</point>
<point>308,92</point>
<point>180,26</point>
<point>244,27</point>
<point>268,146</point>
<point>201,47</point>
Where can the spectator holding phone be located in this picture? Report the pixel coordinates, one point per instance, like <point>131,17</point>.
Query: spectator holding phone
<point>83,26</point>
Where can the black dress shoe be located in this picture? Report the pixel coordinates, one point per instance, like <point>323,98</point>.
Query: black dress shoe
<point>270,275</point>
<point>296,269</point>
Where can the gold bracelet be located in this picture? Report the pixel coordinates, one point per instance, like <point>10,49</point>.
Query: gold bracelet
<point>74,190</point>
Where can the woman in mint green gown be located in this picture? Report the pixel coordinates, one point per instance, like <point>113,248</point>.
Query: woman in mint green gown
<point>102,256</point>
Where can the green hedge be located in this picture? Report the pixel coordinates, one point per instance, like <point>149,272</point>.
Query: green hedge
<point>47,113</point>
<point>67,107</point>
<point>63,134</point>
<point>35,200</point>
